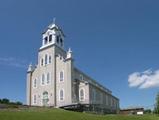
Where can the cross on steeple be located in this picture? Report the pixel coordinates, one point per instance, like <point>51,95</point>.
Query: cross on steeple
<point>54,19</point>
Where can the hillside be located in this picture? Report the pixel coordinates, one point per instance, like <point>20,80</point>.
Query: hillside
<point>58,114</point>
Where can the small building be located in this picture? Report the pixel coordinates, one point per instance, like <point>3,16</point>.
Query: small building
<point>132,111</point>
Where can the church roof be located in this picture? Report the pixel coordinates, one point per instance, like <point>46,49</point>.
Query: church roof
<point>53,26</point>
<point>95,83</point>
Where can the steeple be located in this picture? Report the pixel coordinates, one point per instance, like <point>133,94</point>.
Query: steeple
<point>69,54</point>
<point>30,68</point>
<point>53,35</point>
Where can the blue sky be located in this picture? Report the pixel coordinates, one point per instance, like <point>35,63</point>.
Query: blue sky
<point>112,40</point>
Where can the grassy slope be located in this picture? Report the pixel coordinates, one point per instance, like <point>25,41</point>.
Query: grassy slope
<point>57,114</point>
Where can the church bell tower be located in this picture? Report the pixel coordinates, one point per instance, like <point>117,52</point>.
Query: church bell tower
<point>53,35</point>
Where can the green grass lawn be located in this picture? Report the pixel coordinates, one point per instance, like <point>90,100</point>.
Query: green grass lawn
<point>58,114</point>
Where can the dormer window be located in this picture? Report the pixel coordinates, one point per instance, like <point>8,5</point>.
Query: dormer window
<point>46,40</point>
<point>50,38</point>
<point>81,77</point>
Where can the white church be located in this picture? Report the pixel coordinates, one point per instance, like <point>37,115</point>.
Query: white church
<point>55,81</point>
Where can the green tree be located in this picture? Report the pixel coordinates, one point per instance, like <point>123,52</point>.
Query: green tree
<point>19,103</point>
<point>5,101</point>
<point>147,111</point>
<point>156,110</point>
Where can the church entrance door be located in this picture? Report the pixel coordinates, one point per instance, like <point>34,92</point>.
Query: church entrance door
<point>45,99</point>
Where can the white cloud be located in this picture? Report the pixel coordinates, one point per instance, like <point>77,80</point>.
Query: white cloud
<point>143,80</point>
<point>14,62</point>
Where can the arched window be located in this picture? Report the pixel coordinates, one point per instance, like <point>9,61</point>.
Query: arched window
<point>48,78</point>
<point>49,59</point>
<point>42,62</point>
<point>57,39</point>
<point>50,38</point>
<point>45,98</point>
<point>34,100</point>
<point>45,59</point>
<point>61,76</point>
<point>61,94</point>
<point>43,79</point>
<point>81,94</point>
<point>35,83</point>
<point>45,40</point>
<point>61,41</point>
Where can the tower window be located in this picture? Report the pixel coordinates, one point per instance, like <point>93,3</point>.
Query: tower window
<point>46,40</point>
<point>45,59</point>
<point>50,38</point>
<point>49,59</point>
<point>61,41</point>
<point>57,39</point>
<point>61,95</point>
<point>61,76</point>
